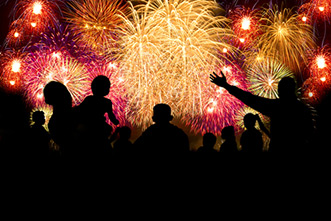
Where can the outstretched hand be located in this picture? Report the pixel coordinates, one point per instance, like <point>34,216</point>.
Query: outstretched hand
<point>219,81</point>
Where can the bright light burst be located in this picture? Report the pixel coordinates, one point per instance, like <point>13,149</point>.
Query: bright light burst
<point>95,22</point>
<point>319,63</point>
<point>264,77</point>
<point>246,25</point>
<point>285,37</point>
<point>169,48</point>
<point>44,67</point>
<point>316,10</point>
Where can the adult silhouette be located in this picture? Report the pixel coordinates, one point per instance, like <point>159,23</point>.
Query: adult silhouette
<point>62,123</point>
<point>92,113</point>
<point>39,137</point>
<point>291,121</point>
<point>208,143</point>
<point>251,139</point>
<point>230,144</point>
<point>162,137</point>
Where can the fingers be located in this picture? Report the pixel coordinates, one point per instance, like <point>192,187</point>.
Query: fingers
<point>222,74</point>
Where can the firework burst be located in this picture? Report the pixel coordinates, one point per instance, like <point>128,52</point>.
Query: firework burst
<point>246,25</point>
<point>217,107</point>
<point>12,64</point>
<point>47,66</point>
<point>319,63</point>
<point>96,22</point>
<point>265,76</point>
<point>169,49</point>
<point>315,11</point>
<point>285,38</point>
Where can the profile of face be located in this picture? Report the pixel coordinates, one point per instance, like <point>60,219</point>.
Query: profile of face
<point>57,94</point>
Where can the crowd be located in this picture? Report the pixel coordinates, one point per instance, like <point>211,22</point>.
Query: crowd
<point>82,131</point>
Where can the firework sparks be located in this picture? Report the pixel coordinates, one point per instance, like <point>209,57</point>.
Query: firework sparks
<point>44,67</point>
<point>219,108</point>
<point>246,25</point>
<point>169,49</point>
<point>319,63</point>
<point>265,76</point>
<point>285,38</point>
<point>95,22</point>
<point>316,10</point>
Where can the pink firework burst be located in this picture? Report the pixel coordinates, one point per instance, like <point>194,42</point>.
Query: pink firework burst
<point>46,66</point>
<point>117,90</point>
<point>219,108</point>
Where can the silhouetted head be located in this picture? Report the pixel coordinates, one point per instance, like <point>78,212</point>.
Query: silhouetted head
<point>57,94</point>
<point>209,140</point>
<point>287,88</point>
<point>228,132</point>
<point>162,113</point>
<point>100,85</point>
<point>125,133</point>
<point>38,117</point>
<point>250,120</point>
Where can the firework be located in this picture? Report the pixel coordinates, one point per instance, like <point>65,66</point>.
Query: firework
<point>13,66</point>
<point>219,108</point>
<point>47,66</point>
<point>48,112</point>
<point>314,89</point>
<point>285,38</point>
<point>265,75</point>
<point>246,25</point>
<point>319,63</point>
<point>95,22</point>
<point>315,11</point>
<point>36,15</point>
<point>169,49</point>
<point>117,90</point>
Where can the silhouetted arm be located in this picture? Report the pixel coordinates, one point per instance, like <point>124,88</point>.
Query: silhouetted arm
<point>110,113</point>
<point>264,105</point>
<point>262,127</point>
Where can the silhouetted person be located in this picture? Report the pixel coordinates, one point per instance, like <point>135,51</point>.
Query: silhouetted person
<point>230,144</point>
<point>92,111</point>
<point>123,145</point>
<point>62,124</point>
<point>251,139</point>
<point>208,143</point>
<point>39,137</point>
<point>291,121</point>
<point>162,137</point>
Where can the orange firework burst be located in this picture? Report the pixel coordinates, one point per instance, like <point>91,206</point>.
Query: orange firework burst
<point>12,63</point>
<point>95,22</point>
<point>245,24</point>
<point>319,63</point>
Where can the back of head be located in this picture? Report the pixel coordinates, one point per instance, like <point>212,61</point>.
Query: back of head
<point>287,88</point>
<point>57,94</point>
<point>100,85</point>
<point>38,117</point>
<point>228,132</point>
<point>125,133</point>
<point>249,120</point>
<point>209,140</point>
<point>162,113</point>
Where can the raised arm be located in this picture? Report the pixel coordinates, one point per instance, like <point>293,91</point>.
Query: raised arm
<point>263,105</point>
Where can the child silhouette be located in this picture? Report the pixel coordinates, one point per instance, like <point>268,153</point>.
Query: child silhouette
<point>230,144</point>
<point>208,143</point>
<point>251,139</point>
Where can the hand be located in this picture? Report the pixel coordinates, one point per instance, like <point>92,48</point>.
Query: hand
<point>219,81</point>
